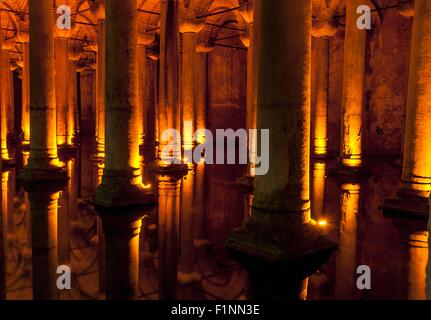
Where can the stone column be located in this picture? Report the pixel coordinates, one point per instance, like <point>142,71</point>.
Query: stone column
<point>202,88</point>
<point>61,87</point>
<point>249,42</point>
<point>25,117</point>
<point>169,95</point>
<point>152,102</point>
<point>189,29</point>
<point>6,93</point>
<point>324,27</point>
<point>101,85</point>
<point>43,163</point>
<point>143,41</point>
<point>122,178</point>
<point>416,174</point>
<point>318,193</point>
<point>72,104</point>
<point>280,225</point>
<point>353,90</point>
<point>415,187</point>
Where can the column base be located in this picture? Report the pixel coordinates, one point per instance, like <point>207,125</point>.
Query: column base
<point>43,175</point>
<point>8,163</point>
<point>407,206</point>
<point>171,169</point>
<point>67,149</point>
<point>261,241</point>
<point>345,172</point>
<point>245,181</point>
<point>188,278</point>
<point>121,195</point>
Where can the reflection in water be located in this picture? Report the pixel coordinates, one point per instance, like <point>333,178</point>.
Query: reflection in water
<point>345,283</point>
<point>418,258</point>
<point>44,215</point>
<point>180,245</point>
<point>168,219</point>
<point>318,191</point>
<point>121,232</point>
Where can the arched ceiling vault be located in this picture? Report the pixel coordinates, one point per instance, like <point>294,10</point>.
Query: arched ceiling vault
<point>222,18</point>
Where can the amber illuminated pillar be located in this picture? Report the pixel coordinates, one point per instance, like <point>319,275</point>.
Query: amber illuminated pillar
<point>202,89</point>
<point>43,163</point>
<point>249,41</point>
<point>169,79</point>
<point>353,89</point>
<point>281,206</point>
<point>143,41</point>
<point>189,31</point>
<point>72,102</point>
<point>25,117</point>
<point>416,174</point>
<point>6,92</point>
<point>122,178</point>
<point>61,87</point>
<point>101,78</point>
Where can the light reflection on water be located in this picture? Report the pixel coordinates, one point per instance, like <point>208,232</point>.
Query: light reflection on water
<point>176,250</point>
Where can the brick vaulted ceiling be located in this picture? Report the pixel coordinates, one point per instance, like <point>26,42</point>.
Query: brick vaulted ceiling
<point>228,24</point>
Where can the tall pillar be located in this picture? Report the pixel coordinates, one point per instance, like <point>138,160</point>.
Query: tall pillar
<point>202,89</point>
<point>143,41</point>
<point>122,176</point>
<point>415,184</point>
<point>5,78</point>
<point>72,103</point>
<point>280,226</point>
<point>61,87</point>
<point>25,115</point>
<point>101,78</point>
<point>169,95</point>
<point>324,27</point>
<point>249,41</point>
<point>189,29</point>
<point>43,163</point>
<point>152,102</point>
<point>353,90</point>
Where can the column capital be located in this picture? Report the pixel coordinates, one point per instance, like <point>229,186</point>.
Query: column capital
<point>63,33</point>
<point>191,26</point>
<point>8,44</point>
<point>74,55</point>
<point>325,25</point>
<point>204,47</point>
<point>97,7</point>
<point>245,37</point>
<point>246,10</point>
<point>146,39</point>
<point>23,37</point>
<point>406,9</point>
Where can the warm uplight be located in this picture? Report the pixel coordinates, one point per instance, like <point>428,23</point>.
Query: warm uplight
<point>147,186</point>
<point>322,223</point>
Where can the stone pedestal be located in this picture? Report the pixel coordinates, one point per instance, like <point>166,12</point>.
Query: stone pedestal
<point>280,228</point>
<point>43,163</point>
